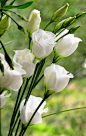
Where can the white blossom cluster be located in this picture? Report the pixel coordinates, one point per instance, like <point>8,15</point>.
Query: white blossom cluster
<point>56,77</point>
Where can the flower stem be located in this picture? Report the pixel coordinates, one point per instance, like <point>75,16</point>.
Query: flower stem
<point>64,111</point>
<point>17,104</point>
<point>17,127</point>
<point>47,25</point>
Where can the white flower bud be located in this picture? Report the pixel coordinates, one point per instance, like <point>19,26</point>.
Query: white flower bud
<point>33,21</point>
<point>66,45</point>
<point>56,78</point>
<point>27,111</point>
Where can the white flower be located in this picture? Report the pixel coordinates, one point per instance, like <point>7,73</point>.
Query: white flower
<point>43,43</point>
<point>25,58</point>
<point>2,98</point>
<point>56,77</point>
<point>66,45</point>
<point>27,111</point>
<point>34,21</point>
<point>11,79</point>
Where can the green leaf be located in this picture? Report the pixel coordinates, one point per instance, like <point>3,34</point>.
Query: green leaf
<point>23,6</point>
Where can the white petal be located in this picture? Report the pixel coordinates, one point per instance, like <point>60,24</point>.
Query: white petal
<point>38,50</point>
<point>16,81</point>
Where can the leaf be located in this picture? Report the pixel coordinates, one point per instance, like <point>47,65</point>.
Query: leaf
<point>23,6</point>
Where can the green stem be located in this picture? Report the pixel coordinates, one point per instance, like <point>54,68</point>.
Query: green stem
<point>63,111</point>
<point>17,127</point>
<point>12,2</point>
<point>29,40</point>
<point>47,25</point>
<point>19,98</point>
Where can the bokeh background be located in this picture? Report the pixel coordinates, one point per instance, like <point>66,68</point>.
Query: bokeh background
<point>71,123</point>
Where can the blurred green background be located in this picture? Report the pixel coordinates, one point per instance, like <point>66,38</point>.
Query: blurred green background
<point>71,123</point>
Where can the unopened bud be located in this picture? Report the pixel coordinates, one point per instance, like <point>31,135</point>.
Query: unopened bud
<point>33,21</point>
<point>4,23</point>
<point>74,29</point>
<point>82,14</point>
<point>64,24</point>
<point>60,13</point>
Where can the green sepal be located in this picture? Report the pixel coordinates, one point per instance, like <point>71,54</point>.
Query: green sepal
<point>9,93</point>
<point>21,28</point>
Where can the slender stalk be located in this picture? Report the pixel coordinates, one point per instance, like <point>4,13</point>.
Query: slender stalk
<point>63,111</point>
<point>36,74</point>
<point>13,115</point>
<point>47,25</point>
<point>17,104</point>
<point>29,39</point>
<point>17,127</point>
<point>14,124</point>
<point>12,2</point>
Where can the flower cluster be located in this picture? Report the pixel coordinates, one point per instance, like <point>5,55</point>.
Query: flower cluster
<point>28,64</point>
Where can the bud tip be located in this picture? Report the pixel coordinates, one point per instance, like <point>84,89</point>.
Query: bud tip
<point>67,4</point>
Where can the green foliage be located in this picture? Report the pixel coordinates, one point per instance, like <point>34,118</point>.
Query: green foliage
<point>22,6</point>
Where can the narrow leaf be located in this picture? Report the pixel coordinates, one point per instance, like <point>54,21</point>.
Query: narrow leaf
<point>23,6</point>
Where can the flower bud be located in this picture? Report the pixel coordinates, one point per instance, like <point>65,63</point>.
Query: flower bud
<point>4,23</point>
<point>67,45</point>
<point>82,14</point>
<point>26,111</point>
<point>74,29</point>
<point>56,77</point>
<point>60,13</point>
<point>34,21</point>
<point>64,24</point>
